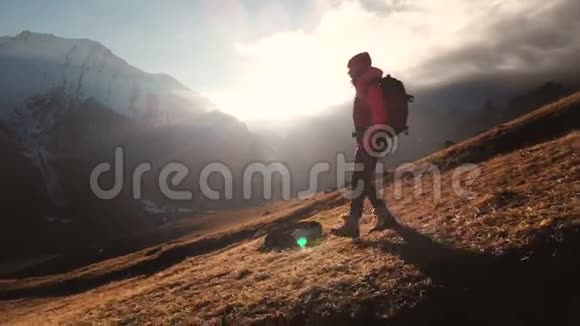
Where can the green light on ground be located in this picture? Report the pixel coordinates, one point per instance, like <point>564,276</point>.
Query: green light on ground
<point>302,242</point>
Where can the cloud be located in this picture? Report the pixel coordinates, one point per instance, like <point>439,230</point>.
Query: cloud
<point>541,38</point>
<point>302,71</point>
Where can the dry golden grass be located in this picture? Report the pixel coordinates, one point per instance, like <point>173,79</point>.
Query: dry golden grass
<point>241,282</point>
<point>251,223</point>
<point>518,194</point>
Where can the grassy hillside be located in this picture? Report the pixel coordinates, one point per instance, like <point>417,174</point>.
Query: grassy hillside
<point>507,254</point>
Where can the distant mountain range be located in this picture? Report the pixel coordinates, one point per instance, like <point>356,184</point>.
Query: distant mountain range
<point>34,63</point>
<point>66,104</point>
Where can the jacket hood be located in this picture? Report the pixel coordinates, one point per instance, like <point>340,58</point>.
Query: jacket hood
<point>370,76</point>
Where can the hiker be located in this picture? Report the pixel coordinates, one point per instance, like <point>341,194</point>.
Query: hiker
<point>368,111</point>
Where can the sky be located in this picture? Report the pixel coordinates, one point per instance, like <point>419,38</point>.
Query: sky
<point>277,59</point>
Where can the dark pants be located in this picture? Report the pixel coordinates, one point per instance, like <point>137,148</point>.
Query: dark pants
<point>365,180</point>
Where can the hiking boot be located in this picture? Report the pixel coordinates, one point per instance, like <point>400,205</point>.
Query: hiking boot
<point>385,220</point>
<point>349,229</point>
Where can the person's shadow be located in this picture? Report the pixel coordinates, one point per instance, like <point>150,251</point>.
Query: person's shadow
<point>442,262</point>
<point>476,288</point>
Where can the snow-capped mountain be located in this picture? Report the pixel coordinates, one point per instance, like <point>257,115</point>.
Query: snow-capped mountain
<point>34,63</point>
<point>67,103</point>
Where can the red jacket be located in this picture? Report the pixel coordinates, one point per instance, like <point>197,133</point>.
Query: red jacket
<point>369,103</point>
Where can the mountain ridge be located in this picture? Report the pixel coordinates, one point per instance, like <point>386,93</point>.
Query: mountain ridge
<point>66,104</point>
<point>35,63</point>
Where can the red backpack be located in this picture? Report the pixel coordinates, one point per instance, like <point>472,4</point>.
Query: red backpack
<point>397,103</point>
